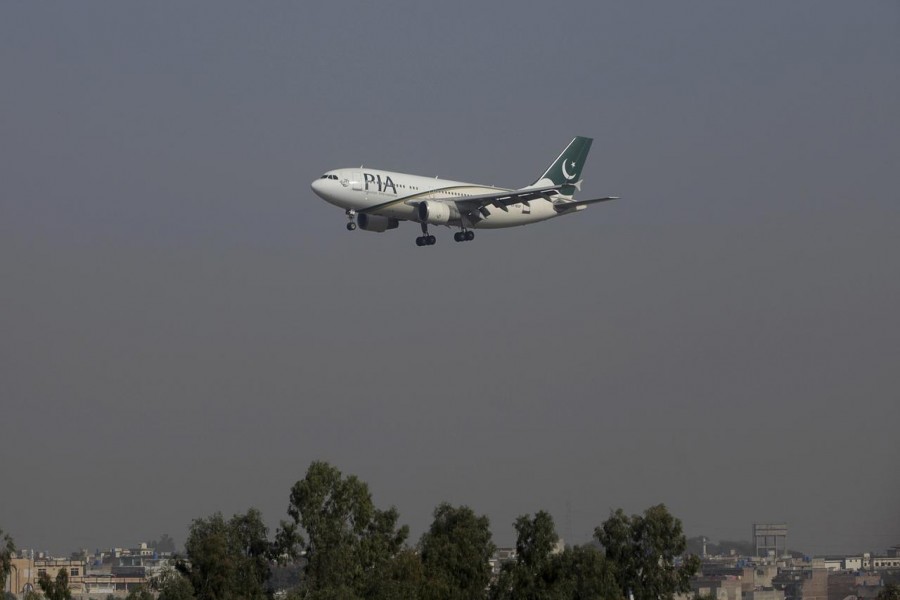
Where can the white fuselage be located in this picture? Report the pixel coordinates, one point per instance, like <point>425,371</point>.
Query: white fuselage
<point>397,196</point>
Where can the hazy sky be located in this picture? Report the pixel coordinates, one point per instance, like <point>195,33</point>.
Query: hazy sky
<point>184,326</point>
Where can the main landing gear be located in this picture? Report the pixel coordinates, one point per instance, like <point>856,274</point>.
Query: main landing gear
<point>429,240</point>
<point>351,215</point>
<point>425,239</point>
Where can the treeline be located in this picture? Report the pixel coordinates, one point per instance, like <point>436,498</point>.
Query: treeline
<point>347,548</point>
<point>337,545</point>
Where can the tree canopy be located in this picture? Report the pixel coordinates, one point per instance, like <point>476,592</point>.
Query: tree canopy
<point>140,593</point>
<point>542,571</point>
<point>57,589</point>
<point>455,553</point>
<point>889,592</point>
<point>172,585</point>
<point>338,545</point>
<point>7,551</point>
<point>646,550</point>
<point>227,559</point>
<point>348,541</point>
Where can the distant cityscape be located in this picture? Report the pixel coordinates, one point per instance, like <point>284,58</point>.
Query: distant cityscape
<point>763,569</point>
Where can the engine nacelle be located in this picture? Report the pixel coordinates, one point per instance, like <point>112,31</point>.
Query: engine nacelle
<point>376,223</point>
<point>437,213</point>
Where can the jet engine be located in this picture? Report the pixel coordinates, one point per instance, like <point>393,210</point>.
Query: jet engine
<point>376,223</point>
<point>437,213</point>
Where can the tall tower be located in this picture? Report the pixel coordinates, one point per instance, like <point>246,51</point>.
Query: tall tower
<point>770,538</point>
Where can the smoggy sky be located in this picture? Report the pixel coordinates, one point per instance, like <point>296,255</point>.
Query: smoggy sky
<point>184,326</point>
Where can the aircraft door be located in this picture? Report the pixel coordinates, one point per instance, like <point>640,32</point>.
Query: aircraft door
<point>355,180</point>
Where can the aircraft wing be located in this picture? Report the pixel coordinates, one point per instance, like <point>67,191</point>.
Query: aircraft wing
<point>506,197</point>
<point>500,199</point>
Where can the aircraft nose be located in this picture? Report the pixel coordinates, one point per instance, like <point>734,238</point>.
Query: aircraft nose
<point>318,186</point>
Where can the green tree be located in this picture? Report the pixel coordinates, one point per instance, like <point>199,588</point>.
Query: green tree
<point>55,589</point>
<point>348,542</point>
<point>139,593</point>
<point>541,573</point>
<point>402,578</point>
<point>455,552</point>
<point>644,549</point>
<point>172,585</point>
<point>889,592</point>
<point>7,551</point>
<point>250,544</point>
<point>528,577</point>
<point>582,573</point>
<point>227,559</point>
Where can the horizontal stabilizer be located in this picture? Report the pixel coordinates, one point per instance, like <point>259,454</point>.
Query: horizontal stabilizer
<point>563,206</point>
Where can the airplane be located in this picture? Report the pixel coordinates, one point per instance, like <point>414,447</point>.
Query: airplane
<point>378,200</point>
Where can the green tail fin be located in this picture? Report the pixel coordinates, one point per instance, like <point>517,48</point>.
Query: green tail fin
<point>566,169</point>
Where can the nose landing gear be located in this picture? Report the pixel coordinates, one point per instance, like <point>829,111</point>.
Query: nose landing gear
<point>351,216</point>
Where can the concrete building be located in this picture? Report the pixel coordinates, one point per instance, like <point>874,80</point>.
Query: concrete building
<point>24,573</point>
<point>759,577</point>
<point>885,562</point>
<point>833,563</point>
<point>842,586</point>
<point>800,583</point>
<point>815,585</point>
<point>84,584</point>
<point>770,539</point>
<point>501,556</point>
<point>769,594</point>
<point>720,588</point>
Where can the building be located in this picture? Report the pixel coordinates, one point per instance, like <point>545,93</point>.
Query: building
<point>770,594</point>
<point>25,572</point>
<point>800,583</point>
<point>84,582</point>
<point>725,587</point>
<point>770,539</point>
<point>851,585</point>
<point>886,562</point>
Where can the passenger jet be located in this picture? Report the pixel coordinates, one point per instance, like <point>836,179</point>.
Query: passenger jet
<point>378,200</point>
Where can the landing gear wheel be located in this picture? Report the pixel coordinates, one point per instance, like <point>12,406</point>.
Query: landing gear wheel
<point>351,226</point>
<point>469,235</point>
<point>430,240</point>
<point>458,236</point>
<point>420,241</point>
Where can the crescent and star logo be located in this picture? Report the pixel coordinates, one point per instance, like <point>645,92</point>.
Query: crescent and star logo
<point>566,173</point>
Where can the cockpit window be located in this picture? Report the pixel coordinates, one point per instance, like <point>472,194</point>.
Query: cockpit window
<point>329,177</point>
